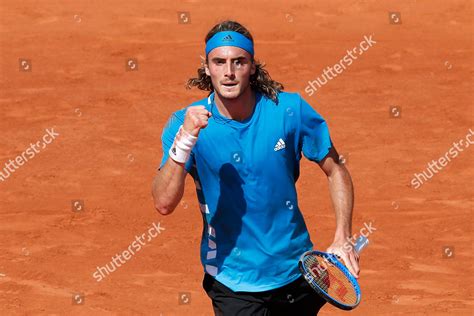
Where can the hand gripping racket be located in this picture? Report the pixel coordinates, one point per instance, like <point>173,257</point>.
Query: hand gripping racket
<point>330,278</point>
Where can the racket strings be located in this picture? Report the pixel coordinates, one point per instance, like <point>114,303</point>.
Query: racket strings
<point>330,279</point>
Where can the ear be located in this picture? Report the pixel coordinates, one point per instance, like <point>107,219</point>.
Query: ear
<point>206,68</point>
<point>253,69</point>
<point>204,64</point>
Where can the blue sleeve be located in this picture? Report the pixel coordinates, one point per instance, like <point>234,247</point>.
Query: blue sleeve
<point>167,139</point>
<point>314,138</point>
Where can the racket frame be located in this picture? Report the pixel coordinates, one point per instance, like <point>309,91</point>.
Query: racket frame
<point>332,259</point>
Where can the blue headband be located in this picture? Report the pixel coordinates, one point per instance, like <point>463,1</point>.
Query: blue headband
<point>229,38</point>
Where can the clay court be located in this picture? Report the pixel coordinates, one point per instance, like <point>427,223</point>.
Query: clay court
<point>106,76</point>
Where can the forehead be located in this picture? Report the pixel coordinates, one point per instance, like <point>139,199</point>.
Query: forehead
<point>228,52</point>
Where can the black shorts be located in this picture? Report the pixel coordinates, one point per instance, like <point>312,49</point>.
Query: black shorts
<point>296,298</point>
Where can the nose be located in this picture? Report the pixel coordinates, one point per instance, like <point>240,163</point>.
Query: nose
<point>229,70</point>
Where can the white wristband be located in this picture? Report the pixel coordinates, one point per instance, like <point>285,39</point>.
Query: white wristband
<point>182,146</point>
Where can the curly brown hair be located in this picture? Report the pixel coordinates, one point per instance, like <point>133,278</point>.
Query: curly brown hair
<point>260,81</point>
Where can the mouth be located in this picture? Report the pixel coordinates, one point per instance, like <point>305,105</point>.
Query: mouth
<point>230,84</point>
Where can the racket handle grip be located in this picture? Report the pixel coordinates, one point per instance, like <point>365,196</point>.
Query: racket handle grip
<point>361,243</point>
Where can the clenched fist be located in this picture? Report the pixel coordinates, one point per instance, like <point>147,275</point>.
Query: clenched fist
<point>195,119</point>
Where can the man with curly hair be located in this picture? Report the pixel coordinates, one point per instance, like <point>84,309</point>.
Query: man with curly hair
<point>243,145</point>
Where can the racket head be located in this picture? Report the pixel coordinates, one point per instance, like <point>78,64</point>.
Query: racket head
<point>330,279</point>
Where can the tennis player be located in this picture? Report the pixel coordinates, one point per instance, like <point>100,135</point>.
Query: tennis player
<point>242,145</point>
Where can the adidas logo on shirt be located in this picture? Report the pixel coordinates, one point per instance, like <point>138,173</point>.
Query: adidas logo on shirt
<point>279,145</point>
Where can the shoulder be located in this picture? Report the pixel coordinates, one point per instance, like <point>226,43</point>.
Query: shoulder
<point>289,102</point>
<point>293,105</point>
<point>294,100</point>
<point>288,97</point>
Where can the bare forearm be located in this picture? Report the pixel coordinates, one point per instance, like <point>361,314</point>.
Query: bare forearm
<point>342,196</point>
<point>168,186</point>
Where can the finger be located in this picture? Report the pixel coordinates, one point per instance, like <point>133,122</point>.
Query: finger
<point>356,255</point>
<point>335,252</point>
<point>198,117</point>
<point>197,121</point>
<point>355,264</point>
<point>202,121</point>
<point>203,114</point>
<point>194,110</point>
<point>195,107</point>
<point>198,110</point>
<point>348,264</point>
<point>203,117</point>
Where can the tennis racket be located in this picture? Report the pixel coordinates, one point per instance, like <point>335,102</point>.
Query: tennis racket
<point>330,278</point>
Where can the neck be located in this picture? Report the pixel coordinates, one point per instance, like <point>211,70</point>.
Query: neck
<point>237,109</point>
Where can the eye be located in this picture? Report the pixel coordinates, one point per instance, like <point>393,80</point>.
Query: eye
<point>238,63</point>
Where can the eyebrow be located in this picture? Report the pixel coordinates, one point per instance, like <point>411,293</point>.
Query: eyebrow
<point>232,59</point>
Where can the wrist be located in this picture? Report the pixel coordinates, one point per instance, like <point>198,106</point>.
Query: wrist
<point>342,235</point>
<point>182,146</point>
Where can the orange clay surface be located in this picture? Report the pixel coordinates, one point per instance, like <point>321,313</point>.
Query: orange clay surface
<point>110,121</point>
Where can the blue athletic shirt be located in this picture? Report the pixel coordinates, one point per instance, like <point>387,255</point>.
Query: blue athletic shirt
<point>245,174</point>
